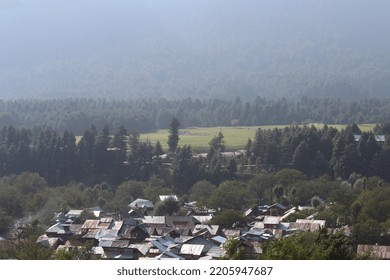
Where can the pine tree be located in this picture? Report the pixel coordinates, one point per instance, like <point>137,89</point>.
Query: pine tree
<point>173,137</point>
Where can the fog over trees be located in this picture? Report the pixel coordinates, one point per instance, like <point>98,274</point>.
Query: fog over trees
<point>151,48</point>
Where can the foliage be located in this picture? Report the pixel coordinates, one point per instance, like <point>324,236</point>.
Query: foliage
<point>234,250</point>
<point>173,137</point>
<point>231,195</point>
<point>76,252</point>
<point>309,246</point>
<point>227,218</point>
<point>6,222</point>
<point>167,207</point>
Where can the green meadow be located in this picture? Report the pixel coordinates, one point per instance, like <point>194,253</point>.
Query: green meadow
<point>234,137</point>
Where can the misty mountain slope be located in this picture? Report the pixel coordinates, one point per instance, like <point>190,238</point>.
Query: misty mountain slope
<point>151,48</point>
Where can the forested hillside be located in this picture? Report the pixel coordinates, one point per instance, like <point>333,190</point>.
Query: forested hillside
<point>78,114</point>
<point>144,49</point>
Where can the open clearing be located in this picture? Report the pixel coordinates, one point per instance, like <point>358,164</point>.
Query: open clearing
<point>234,137</point>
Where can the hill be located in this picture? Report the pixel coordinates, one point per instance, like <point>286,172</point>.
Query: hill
<point>198,48</point>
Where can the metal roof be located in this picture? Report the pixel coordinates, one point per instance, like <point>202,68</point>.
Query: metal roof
<point>203,219</point>
<point>120,244</point>
<point>190,249</point>
<point>258,225</point>
<point>46,241</point>
<point>158,245</point>
<point>141,203</point>
<point>219,239</point>
<point>54,228</point>
<point>90,224</point>
<point>74,213</point>
<point>171,196</point>
<point>216,252</point>
<point>254,232</point>
<point>154,220</point>
<point>307,225</point>
<point>271,220</point>
<point>382,252</point>
<point>142,248</point>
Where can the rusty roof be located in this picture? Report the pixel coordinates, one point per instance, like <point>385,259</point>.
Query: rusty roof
<point>378,251</point>
<point>90,224</point>
<point>120,244</point>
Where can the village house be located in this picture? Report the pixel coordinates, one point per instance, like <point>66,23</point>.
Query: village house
<point>141,207</point>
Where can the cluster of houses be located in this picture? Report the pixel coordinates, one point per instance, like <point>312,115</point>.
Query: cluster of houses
<point>144,236</point>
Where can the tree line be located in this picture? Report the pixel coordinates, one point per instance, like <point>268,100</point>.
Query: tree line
<point>344,180</point>
<point>116,156</point>
<point>78,114</point>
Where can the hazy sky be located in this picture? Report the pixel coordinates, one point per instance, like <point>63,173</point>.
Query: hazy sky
<point>43,41</point>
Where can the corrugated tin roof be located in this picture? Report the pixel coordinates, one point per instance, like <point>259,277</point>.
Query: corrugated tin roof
<point>117,225</point>
<point>307,225</point>
<point>382,252</point>
<point>171,196</point>
<point>142,248</point>
<point>120,244</point>
<point>219,239</point>
<point>180,220</point>
<point>203,219</point>
<point>231,233</point>
<point>190,249</point>
<point>206,258</point>
<point>141,203</point>
<point>271,220</point>
<point>54,228</point>
<point>212,229</point>
<point>258,225</point>
<point>105,243</point>
<point>216,252</point>
<point>255,232</point>
<point>278,205</point>
<point>130,222</point>
<point>169,255</point>
<point>74,213</point>
<point>320,222</point>
<point>154,220</point>
<point>90,224</point>
<point>158,245</point>
<point>46,241</point>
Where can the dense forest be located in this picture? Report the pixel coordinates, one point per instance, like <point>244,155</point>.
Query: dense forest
<point>294,166</point>
<point>78,114</point>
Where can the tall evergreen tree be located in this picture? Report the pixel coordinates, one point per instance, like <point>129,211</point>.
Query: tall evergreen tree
<point>173,137</point>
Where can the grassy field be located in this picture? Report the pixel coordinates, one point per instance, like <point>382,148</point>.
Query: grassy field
<point>235,137</point>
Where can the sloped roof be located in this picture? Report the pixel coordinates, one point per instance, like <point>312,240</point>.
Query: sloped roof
<point>212,229</point>
<point>307,225</point>
<point>216,252</point>
<point>142,248</point>
<point>154,220</point>
<point>254,232</point>
<point>382,252</point>
<point>219,239</point>
<point>90,224</point>
<point>187,221</point>
<point>203,219</point>
<point>74,213</point>
<point>191,249</point>
<point>46,241</point>
<point>141,203</point>
<point>278,205</point>
<point>271,220</point>
<point>171,196</point>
